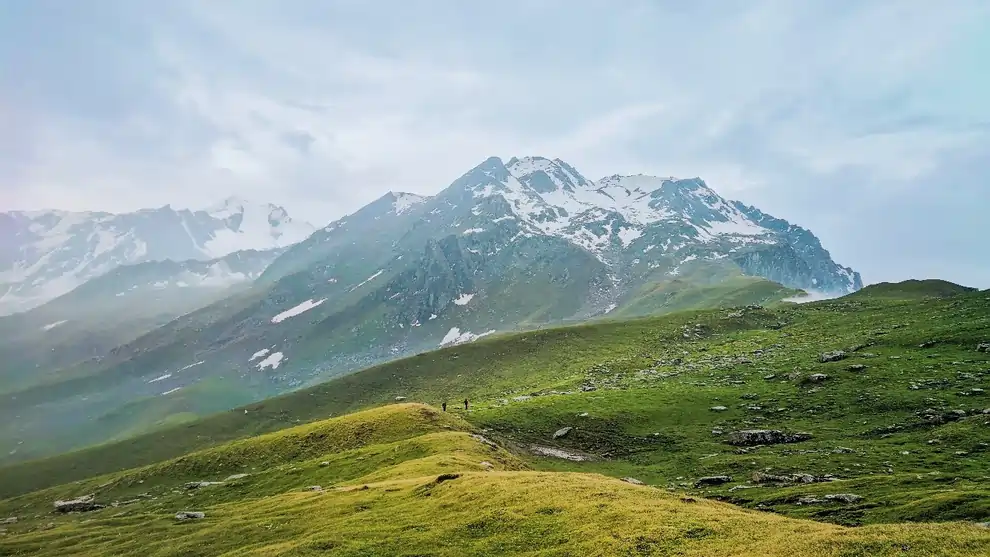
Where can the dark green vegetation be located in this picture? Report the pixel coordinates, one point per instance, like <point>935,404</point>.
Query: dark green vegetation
<point>900,422</point>
<point>913,289</point>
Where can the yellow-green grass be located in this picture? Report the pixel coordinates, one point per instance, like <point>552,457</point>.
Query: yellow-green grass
<point>489,513</point>
<point>348,447</point>
<point>410,480</point>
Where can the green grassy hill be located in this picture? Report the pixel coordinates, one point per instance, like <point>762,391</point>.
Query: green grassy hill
<point>681,294</point>
<point>912,289</point>
<point>410,480</point>
<point>895,430</point>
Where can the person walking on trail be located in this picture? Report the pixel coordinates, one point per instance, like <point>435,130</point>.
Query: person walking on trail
<point>444,405</point>
<point>465,404</point>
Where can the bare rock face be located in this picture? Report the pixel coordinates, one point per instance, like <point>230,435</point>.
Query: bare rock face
<point>833,356</point>
<point>197,485</point>
<point>983,347</point>
<point>753,437</point>
<point>762,478</point>
<point>190,515</point>
<point>82,504</point>
<point>847,498</point>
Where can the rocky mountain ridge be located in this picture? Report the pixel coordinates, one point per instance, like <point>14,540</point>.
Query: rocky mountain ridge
<point>52,252</point>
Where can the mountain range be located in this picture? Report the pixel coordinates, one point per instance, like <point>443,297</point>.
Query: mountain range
<point>49,253</point>
<point>116,308</point>
<point>509,246</point>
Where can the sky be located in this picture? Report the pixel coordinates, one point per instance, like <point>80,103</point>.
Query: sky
<point>867,122</point>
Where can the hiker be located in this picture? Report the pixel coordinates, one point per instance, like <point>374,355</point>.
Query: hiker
<point>444,405</point>
<point>465,404</point>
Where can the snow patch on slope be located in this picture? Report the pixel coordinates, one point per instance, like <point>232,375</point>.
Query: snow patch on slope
<point>367,280</point>
<point>190,366</point>
<point>273,361</point>
<point>298,310</point>
<point>463,299</point>
<point>455,336</point>
<point>406,201</point>
<point>628,235</point>
<point>259,354</point>
<point>51,326</point>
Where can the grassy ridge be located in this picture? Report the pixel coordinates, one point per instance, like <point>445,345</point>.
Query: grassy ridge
<point>400,436</point>
<point>409,480</point>
<point>520,513</point>
<point>687,293</point>
<point>912,289</point>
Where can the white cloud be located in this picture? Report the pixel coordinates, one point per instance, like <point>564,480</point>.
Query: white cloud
<point>896,157</point>
<point>323,107</point>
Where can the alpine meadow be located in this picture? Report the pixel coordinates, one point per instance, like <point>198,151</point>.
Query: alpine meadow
<point>267,290</point>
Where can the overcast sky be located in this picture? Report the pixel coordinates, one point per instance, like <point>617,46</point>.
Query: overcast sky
<point>866,121</point>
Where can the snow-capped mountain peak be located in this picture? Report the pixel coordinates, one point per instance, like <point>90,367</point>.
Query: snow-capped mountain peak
<point>619,215</point>
<point>546,176</point>
<point>553,198</point>
<point>250,225</point>
<point>228,207</point>
<point>234,207</point>
<point>53,252</point>
<point>553,193</point>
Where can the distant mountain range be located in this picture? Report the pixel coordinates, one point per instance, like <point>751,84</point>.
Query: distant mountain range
<point>117,308</point>
<point>508,246</point>
<point>48,253</point>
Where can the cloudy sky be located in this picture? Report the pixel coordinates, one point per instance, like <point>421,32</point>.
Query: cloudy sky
<point>866,121</point>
